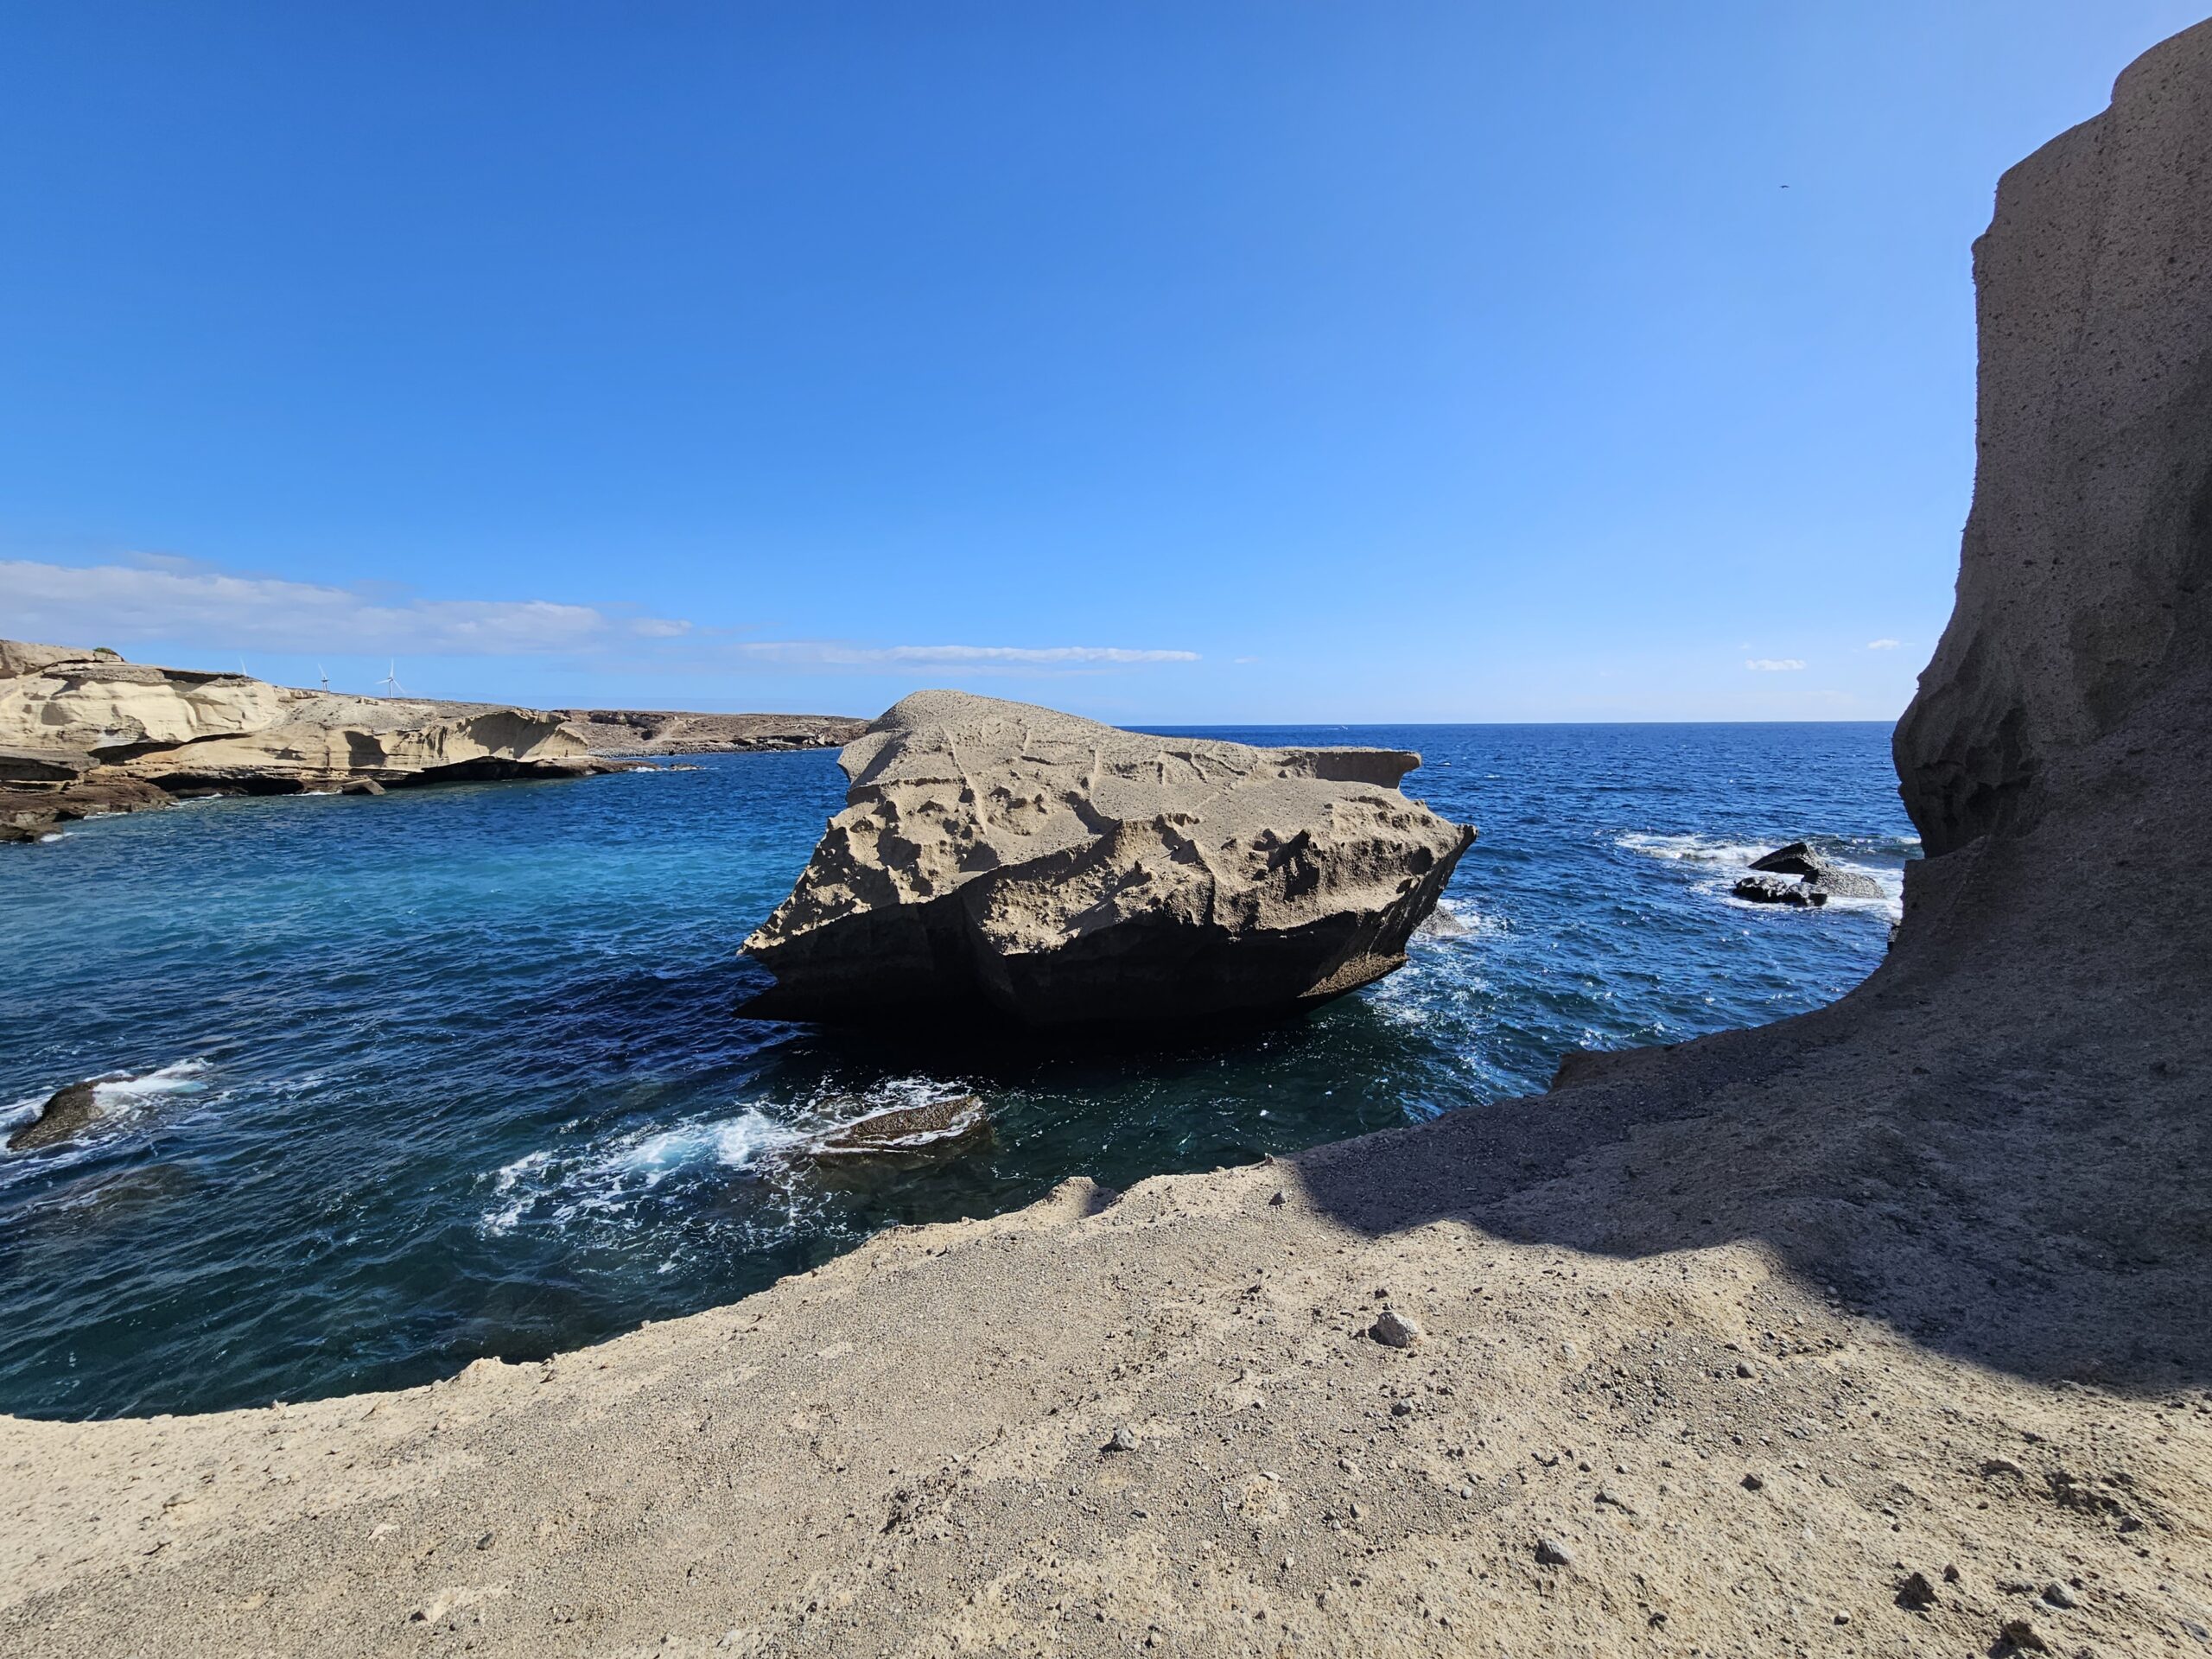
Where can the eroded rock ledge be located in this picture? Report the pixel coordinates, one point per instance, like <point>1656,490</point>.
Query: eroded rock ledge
<point>84,733</point>
<point>664,731</point>
<point>998,856</point>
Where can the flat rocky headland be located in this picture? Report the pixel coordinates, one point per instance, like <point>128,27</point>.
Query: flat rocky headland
<point>1885,1328</point>
<point>649,731</point>
<point>84,733</point>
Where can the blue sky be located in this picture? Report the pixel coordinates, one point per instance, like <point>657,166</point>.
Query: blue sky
<point>1220,362</point>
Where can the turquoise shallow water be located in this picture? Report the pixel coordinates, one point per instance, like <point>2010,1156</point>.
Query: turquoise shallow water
<point>454,1072</point>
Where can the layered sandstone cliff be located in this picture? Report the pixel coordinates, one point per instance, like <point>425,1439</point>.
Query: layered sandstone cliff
<point>180,727</point>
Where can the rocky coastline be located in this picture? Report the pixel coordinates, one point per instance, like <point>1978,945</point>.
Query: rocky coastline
<point>656,731</point>
<point>1883,1329</point>
<point>84,734</point>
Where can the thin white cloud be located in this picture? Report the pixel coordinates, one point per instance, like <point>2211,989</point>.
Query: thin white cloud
<point>1884,645</point>
<point>953,656</point>
<point>832,653</point>
<point>162,598</point>
<point>169,599</point>
<point>1772,664</point>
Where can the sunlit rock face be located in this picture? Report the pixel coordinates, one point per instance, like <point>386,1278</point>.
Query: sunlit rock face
<point>999,858</point>
<point>2085,574</point>
<point>86,713</point>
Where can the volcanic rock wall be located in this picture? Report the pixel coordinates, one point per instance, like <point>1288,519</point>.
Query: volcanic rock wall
<point>2083,576</point>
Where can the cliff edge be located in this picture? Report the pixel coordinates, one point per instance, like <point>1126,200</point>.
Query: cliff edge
<point>2085,578</point>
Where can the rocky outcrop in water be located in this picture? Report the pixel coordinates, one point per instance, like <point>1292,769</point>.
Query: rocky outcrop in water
<point>65,1115</point>
<point>84,733</point>
<point>1821,878</point>
<point>997,856</point>
<point>1776,890</point>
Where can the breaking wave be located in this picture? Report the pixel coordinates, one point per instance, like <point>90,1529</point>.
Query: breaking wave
<point>1716,863</point>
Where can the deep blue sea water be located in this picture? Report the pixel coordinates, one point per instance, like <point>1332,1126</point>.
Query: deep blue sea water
<point>454,1072</point>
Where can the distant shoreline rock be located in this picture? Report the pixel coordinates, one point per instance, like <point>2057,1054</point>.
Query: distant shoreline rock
<point>655,731</point>
<point>1002,859</point>
<point>85,733</point>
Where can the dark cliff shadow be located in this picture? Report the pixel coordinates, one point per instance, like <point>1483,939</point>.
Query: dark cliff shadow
<point>1998,1144</point>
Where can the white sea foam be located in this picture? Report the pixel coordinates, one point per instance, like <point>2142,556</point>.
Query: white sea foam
<point>116,1098</point>
<point>1445,922</point>
<point>606,1181</point>
<point>1697,850</point>
<point>180,1077</point>
<point>603,1182</point>
<point>733,1143</point>
<point>1722,862</point>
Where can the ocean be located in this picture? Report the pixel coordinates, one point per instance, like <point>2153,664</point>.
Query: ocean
<point>455,1071</point>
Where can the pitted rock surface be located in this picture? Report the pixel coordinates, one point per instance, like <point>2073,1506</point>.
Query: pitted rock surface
<point>1001,857</point>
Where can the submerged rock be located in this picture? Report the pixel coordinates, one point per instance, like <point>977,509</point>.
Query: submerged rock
<point>64,1116</point>
<point>936,1127</point>
<point>998,857</point>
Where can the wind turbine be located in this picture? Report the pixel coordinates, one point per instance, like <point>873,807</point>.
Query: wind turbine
<point>391,681</point>
<point>324,674</point>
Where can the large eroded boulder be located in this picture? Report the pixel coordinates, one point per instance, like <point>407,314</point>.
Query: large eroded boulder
<point>1000,857</point>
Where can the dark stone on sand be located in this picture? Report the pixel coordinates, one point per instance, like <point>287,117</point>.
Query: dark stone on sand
<point>1915,1593</point>
<point>1395,1329</point>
